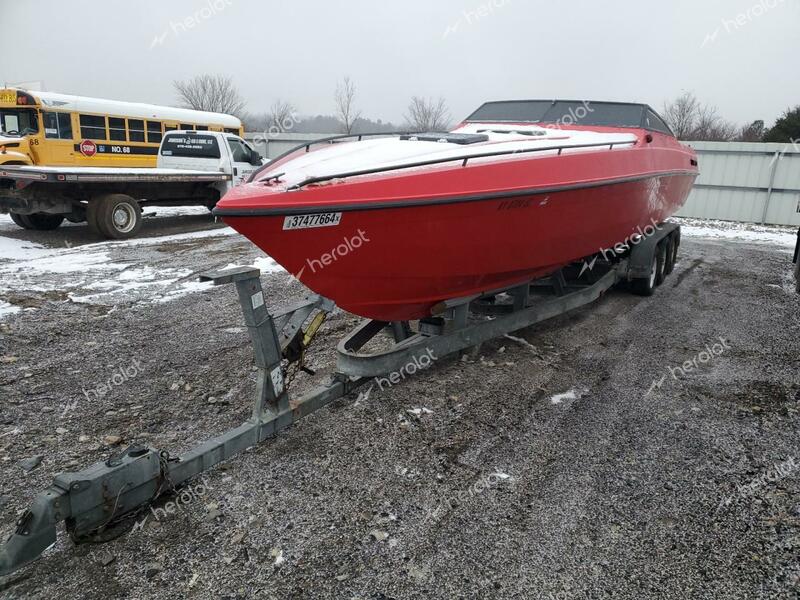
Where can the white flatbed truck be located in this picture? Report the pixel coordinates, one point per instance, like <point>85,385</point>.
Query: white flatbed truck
<point>194,168</point>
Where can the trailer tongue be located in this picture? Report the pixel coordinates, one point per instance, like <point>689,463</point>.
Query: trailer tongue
<point>98,502</point>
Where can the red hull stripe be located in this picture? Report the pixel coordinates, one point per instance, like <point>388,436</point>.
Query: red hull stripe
<point>301,210</point>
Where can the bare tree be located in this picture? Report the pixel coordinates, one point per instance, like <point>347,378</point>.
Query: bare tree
<point>710,127</point>
<point>692,120</point>
<point>214,93</point>
<point>427,114</point>
<point>754,132</point>
<point>345,105</point>
<point>281,117</point>
<point>255,122</point>
<point>681,115</point>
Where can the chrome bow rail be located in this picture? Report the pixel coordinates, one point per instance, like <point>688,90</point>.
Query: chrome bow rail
<point>360,136</point>
<point>464,159</point>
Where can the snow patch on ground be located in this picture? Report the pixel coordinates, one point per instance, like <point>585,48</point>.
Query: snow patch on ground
<point>748,232</point>
<point>184,289</point>
<point>559,398</point>
<point>105,272</point>
<point>175,211</point>
<point>11,249</point>
<point>418,412</point>
<point>7,309</point>
<point>166,239</point>
<point>573,394</point>
<point>6,224</point>
<point>264,263</point>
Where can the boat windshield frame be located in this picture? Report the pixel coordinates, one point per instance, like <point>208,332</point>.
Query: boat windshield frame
<point>576,112</point>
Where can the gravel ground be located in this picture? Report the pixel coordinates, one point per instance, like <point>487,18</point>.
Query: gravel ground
<point>573,461</point>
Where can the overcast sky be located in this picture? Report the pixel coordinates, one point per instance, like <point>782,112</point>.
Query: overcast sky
<point>740,55</point>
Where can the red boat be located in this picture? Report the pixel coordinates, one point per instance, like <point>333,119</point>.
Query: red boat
<point>390,227</point>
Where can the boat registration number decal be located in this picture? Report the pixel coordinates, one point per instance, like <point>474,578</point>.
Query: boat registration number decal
<point>308,221</point>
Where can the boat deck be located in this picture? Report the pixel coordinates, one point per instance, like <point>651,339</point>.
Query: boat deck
<point>409,151</point>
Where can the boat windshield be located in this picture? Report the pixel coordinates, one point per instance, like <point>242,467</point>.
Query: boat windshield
<point>561,112</point>
<point>18,121</point>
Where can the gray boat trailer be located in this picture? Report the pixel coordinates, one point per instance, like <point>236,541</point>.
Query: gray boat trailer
<point>96,502</point>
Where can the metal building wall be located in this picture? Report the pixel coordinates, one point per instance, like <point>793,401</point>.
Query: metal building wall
<point>272,146</point>
<point>748,182</point>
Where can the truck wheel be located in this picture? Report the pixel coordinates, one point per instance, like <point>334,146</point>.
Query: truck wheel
<point>645,286</point>
<point>21,220</point>
<point>115,216</point>
<point>44,222</point>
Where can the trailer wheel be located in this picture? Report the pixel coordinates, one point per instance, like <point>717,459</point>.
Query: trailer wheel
<point>645,286</point>
<point>661,261</point>
<point>797,275</point>
<point>21,220</point>
<point>672,254</point>
<point>115,216</point>
<point>44,221</point>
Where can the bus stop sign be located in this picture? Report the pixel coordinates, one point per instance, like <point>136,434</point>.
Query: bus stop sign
<point>88,148</point>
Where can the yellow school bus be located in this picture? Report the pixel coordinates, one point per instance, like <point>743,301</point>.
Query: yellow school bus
<point>48,129</point>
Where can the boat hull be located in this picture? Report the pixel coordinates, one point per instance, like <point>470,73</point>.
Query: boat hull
<point>397,261</point>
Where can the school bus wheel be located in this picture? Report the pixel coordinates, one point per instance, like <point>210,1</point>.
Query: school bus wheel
<point>115,216</point>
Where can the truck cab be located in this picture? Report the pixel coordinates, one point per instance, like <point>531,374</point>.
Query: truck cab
<point>209,151</point>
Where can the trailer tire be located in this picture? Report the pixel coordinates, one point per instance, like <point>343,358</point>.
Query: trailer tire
<point>44,221</point>
<point>114,216</point>
<point>667,256</point>
<point>21,220</point>
<point>672,254</point>
<point>645,286</point>
<point>797,275</point>
<point>91,218</point>
<point>661,260</point>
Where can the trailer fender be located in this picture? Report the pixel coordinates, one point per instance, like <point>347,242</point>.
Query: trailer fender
<point>642,253</point>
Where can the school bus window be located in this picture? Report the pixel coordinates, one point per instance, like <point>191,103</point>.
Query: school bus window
<point>187,126</point>
<point>93,127</point>
<point>136,130</point>
<point>65,126</point>
<point>170,127</point>
<point>116,129</point>
<point>233,131</point>
<point>57,126</point>
<point>202,128</point>
<point>154,132</point>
